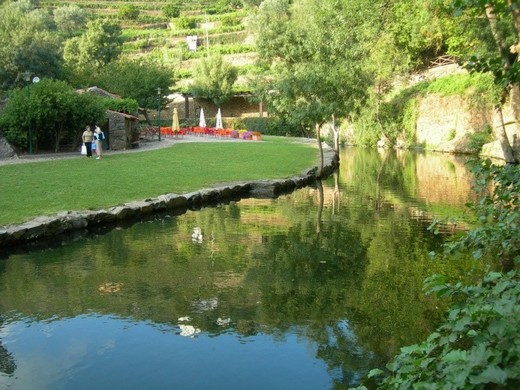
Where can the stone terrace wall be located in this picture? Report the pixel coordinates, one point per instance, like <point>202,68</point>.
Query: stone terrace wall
<point>445,124</point>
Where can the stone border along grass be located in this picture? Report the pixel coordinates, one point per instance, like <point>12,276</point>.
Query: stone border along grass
<point>51,230</point>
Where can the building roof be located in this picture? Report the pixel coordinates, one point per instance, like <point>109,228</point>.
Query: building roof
<point>127,116</point>
<point>99,92</point>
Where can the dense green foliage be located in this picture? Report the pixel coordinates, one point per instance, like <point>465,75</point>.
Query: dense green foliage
<point>26,44</point>
<point>54,112</point>
<point>477,345</point>
<point>70,19</point>
<point>214,79</point>
<point>145,81</point>
<point>128,105</point>
<point>171,10</point>
<point>99,45</point>
<point>300,85</point>
<point>128,11</point>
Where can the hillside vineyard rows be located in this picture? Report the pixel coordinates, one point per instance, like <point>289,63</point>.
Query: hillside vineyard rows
<point>152,34</point>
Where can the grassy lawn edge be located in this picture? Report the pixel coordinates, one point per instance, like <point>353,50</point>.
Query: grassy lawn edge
<point>45,188</point>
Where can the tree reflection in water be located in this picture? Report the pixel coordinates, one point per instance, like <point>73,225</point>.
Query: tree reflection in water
<point>340,265</point>
<point>7,363</point>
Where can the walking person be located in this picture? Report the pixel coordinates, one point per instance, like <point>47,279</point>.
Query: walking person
<point>87,138</point>
<point>99,136</point>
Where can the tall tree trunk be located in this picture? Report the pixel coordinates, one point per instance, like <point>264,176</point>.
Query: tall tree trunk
<point>515,11</point>
<point>514,94</point>
<point>514,91</point>
<point>502,137</point>
<point>497,35</point>
<point>144,111</point>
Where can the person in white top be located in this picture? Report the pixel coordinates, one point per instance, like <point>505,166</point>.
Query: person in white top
<point>99,136</point>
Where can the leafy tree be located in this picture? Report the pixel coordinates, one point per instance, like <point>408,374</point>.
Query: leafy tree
<point>98,46</point>
<point>39,54</point>
<point>314,76</point>
<point>416,29</point>
<point>504,25</point>
<point>69,19</point>
<point>229,20</point>
<point>137,79</point>
<point>26,45</point>
<point>271,27</point>
<point>214,79</point>
<point>53,110</point>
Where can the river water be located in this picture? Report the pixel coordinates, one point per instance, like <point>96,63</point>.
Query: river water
<point>307,291</point>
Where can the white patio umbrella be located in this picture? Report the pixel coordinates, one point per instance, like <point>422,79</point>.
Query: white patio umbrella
<point>202,120</point>
<point>219,120</point>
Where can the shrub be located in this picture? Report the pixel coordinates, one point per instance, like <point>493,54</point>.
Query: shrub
<point>185,23</point>
<point>229,20</point>
<point>479,138</point>
<point>53,112</point>
<point>127,105</point>
<point>128,12</point>
<point>171,11</point>
<point>69,19</point>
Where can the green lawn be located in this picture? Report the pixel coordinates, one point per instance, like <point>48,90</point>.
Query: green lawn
<point>45,188</point>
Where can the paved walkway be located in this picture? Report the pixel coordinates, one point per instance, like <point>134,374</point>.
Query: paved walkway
<point>144,145</point>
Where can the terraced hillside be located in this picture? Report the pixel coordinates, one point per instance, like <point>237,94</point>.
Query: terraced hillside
<point>160,30</point>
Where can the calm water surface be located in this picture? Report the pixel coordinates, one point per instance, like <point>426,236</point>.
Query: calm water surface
<point>307,291</point>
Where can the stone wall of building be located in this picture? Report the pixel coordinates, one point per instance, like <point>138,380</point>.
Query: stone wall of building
<point>123,130</point>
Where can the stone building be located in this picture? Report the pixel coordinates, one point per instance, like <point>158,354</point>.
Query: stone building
<point>121,130</point>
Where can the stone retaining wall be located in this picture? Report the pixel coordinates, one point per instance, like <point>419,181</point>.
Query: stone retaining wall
<point>63,226</point>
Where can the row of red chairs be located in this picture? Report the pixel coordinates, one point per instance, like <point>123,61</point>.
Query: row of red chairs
<point>229,133</point>
<point>167,131</point>
<point>210,131</point>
